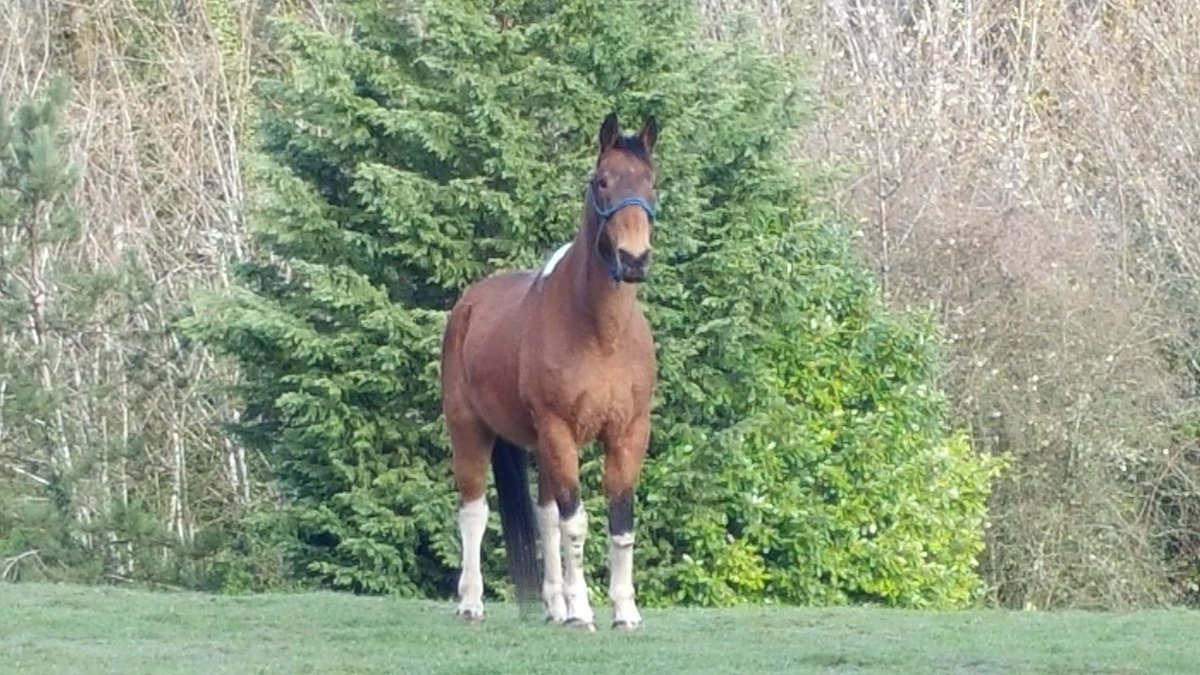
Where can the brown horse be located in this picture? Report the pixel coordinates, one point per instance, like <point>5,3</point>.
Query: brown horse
<point>546,361</point>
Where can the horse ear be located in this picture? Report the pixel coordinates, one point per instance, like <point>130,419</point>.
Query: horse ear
<point>609,131</point>
<point>649,133</point>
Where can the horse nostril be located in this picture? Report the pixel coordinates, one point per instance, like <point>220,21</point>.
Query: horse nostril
<point>630,261</point>
<point>632,268</point>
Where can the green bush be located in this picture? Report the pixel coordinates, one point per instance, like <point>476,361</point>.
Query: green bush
<point>798,451</point>
<point>835,479</point>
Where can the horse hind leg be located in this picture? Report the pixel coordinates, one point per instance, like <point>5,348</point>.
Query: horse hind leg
<point>471,448</point>
<point>471,451</point>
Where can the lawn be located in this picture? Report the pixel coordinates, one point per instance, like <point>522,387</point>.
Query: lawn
<point>68,629</point>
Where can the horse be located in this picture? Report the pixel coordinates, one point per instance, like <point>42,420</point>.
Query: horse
<point>543,362</point>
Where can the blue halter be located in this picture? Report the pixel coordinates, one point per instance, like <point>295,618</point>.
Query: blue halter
<point>605,214</point>
<point>632,200</point>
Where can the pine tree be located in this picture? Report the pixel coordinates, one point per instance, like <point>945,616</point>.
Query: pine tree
<point>37,440</point>
<point>430,146</point>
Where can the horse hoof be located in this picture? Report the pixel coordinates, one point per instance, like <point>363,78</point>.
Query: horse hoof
<point>626,626</point>
<point>554,620</point>
<point>469,616</point>
<point>579,624</point>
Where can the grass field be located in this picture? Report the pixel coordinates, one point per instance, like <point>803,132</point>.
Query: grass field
<point>65,629</point>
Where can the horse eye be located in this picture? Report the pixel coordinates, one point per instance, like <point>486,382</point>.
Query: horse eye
<point>603,184</point>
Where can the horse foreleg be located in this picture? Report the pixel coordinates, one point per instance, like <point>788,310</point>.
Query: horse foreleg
<point>622,464</point>
<point>552,567</point>
<point>574,531</point>
<point>558,458</point>
<point>620,566</point>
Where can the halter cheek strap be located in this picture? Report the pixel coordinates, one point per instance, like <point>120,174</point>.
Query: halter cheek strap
<point>605,214</point>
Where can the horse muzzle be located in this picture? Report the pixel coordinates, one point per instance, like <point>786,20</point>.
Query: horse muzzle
<point>631,268</point>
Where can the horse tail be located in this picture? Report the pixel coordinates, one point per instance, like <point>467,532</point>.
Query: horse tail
<point>510,465</point>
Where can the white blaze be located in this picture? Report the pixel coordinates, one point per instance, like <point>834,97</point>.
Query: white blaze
<point>472,521</point>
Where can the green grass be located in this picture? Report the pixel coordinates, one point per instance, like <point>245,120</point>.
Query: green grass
<point>67,629</point>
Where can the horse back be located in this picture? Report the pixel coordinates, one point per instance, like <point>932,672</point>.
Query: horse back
<point>481,352</point>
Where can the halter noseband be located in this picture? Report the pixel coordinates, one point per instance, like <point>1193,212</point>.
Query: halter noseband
<point>606,214</point>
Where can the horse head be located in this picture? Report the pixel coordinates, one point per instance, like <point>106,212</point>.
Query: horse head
<point>621,198</point>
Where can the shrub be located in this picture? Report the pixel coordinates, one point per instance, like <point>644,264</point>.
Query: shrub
<point>833,477</point>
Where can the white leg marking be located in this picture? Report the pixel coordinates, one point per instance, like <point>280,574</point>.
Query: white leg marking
<point>552,580</point>
<point>472,521</point>
<point>574,531</point>
<point>554,259</point>
<point>620,581</point>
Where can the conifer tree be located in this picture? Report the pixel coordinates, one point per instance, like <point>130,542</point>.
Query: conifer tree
<point>37,440</point>
<point>799,451</point>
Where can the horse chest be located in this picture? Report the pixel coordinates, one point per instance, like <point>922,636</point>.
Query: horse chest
<point>590,394</point>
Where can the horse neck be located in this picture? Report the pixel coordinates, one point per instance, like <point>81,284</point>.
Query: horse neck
<point>604,306</point>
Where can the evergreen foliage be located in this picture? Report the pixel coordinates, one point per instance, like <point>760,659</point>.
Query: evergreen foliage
<point>37,214</point>
<point>75,501</point>
<point>799,452</point>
